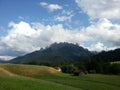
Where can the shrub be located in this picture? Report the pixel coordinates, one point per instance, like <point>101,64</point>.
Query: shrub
<point>68,68</point>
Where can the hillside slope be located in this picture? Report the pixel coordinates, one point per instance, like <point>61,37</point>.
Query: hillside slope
<point>22,80</point>
<point>108,56</point>
<point>26,70</point>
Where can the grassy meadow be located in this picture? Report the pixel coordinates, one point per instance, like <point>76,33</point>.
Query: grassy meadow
<point>87,82</point>
<point>30,77</point>
<point>24,83</point>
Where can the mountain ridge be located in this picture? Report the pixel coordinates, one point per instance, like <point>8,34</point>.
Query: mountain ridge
<point>56,52</point>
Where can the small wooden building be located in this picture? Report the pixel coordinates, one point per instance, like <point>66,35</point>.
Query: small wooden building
<point>78,73</point>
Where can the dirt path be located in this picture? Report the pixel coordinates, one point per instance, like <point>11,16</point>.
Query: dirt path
<point>5,72</point>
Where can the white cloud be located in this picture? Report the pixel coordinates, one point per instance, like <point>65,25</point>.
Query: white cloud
<point>67,12</point>
<point>105,30</point>
<point>101,8</point>
<point>6,57</point>
<point>104,33</point>
<point>98,47</point>
<point>51,7</point>
<point>43,3</point>
<point>20,17</point>
<point>19,37</point>
<point>63,18</point>
<point>24,38</point>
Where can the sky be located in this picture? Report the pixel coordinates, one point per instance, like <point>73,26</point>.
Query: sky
<point>28,25</point>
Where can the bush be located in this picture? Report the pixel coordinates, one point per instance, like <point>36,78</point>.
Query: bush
<point>68,68</point>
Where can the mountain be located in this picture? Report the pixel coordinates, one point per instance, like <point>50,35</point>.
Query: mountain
<point>108,56</point>
<point>106,62</point>
<point>2,61</point>
<point>55,53</point>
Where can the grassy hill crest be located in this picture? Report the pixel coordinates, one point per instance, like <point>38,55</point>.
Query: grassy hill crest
<point>26,70</point>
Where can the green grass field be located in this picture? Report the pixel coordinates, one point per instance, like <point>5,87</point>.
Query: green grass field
<point>24,83</point>
<point>17,77</point>
<point>87,82</point>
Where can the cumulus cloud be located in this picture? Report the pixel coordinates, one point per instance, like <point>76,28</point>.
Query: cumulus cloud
<point>51,7</point>
<point>64,16</point>
<point>105,30</point>
<point>101,8</point>
<point>43,3</point>
<point>23,37</point>
<point>104,33</point>
<point>67,12</point>
<point>98,47</point>
<point>20,17</point>
<point>6,57</point>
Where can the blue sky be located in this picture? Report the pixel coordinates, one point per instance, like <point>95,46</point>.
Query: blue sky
<point>28,25</point>
<point>31,11</point>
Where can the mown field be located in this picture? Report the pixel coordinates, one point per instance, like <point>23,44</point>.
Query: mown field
<point>24,83</point>
<point>87,82</point>
<point>29,77</point>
